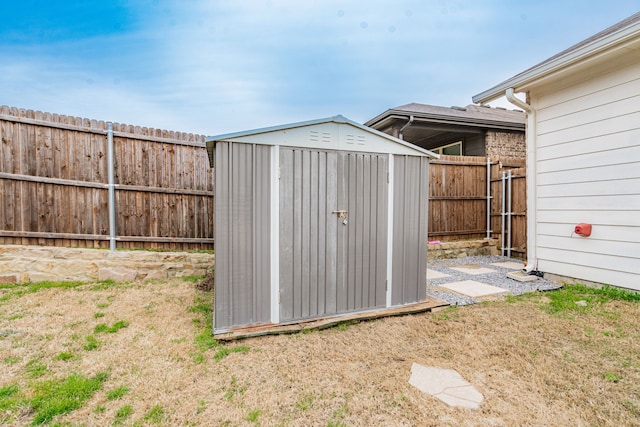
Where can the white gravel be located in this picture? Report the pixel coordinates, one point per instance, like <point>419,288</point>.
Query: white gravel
<point>498,278</point>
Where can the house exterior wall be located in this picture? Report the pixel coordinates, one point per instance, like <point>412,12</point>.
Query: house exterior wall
<point>505,144</point>
<point>588,170</point>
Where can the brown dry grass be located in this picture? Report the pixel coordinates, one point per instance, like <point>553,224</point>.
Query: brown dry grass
<point>533,368</point>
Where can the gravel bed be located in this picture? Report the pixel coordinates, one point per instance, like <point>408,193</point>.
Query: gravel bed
<point>498,278</point>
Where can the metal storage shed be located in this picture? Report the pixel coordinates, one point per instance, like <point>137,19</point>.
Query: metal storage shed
<point>314,220</point>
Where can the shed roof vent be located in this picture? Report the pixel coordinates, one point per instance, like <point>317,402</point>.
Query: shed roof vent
<point>317,136</point>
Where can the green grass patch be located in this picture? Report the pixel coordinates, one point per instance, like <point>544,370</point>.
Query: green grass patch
<point>305,403</point>
<point>205,340</point>
<point>610,376</point>
<point>198,357</point>
<point>10,401</point>
<point>91,343</point>
<point>203,304</point>
<point>117,393</point>
<point>103,285</point>
<point>15,317</point>
<point>338,414</point>
<point>57,397</point>
<point>155,415</point>
<point>11,360</point>
<point>122,414</point>
<point>344,326</point>
<point>234,389</point>
<point>225,351</point>
<point>192,279</point>
<point>29,288</point>
<point>581,299</point>
<point>102,327</point>
<point>35,369</point>
<point>8,390</point>
<point>191,251</point>
<point>98,315</point>
<point>449,313</point>
<point>253,416</point>
<point>63,356</point>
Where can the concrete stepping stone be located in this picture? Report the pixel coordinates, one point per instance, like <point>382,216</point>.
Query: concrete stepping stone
<point>434,274</point>
<point>473,269</point>
<point>445,384</point>
<point>511,265</point>
<point>522,277</point>
<point>474,289</point>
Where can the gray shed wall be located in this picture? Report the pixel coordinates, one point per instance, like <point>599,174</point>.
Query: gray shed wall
<point>242,230</point>
<point>410,222</point>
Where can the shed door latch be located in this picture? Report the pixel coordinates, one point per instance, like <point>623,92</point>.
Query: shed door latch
<point>342,215</point>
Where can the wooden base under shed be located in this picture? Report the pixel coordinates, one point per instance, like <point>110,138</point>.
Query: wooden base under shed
<point>430,304</point>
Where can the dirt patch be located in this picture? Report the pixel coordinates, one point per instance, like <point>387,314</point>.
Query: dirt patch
<point>207,284</point>
<point>534,367</point>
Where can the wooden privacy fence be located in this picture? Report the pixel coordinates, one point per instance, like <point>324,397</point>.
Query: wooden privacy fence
<point>54,184</point>
<point>458,200</point>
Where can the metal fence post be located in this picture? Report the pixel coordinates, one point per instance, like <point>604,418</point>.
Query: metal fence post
<point>111,187</point>
<point>509,214</point>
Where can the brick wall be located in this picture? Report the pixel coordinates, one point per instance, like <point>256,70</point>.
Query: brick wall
<point>505,144</point>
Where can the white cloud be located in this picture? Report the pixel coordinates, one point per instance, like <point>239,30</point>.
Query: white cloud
<point>216,67</point>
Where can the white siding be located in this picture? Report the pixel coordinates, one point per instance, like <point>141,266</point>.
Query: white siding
<point>588,170</point>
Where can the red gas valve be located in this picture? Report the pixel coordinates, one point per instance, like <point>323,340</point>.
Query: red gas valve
<point>583,229</point>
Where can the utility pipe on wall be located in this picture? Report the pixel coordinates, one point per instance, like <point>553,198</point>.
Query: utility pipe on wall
<point>111,187</point>
<point>502,215</point>
<point>509,214</point>
<point>488,198</point>
<point>532,207</point>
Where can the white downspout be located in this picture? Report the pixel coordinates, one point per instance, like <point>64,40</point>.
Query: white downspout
<point>406,125</point>
<point>532,200</point>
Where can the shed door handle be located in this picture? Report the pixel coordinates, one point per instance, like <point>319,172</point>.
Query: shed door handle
<point>342,215</point>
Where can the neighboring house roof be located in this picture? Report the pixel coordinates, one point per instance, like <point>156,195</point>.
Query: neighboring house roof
<point>623,35</point>
<point>303,134</point>
<point>471,115</point>
<point>431,125</point>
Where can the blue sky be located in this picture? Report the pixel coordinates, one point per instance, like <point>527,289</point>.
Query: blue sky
<point>212,67</point>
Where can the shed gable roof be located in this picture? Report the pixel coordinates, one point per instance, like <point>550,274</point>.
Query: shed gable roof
<point>332,133</point>
<point>625,33</point>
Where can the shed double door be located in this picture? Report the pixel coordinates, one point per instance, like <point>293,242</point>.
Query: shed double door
<point>333,232</point>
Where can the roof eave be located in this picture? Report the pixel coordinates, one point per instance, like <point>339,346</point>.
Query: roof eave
<point>390,115</point>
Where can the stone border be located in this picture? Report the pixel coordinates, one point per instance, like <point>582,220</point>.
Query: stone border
<point>463,248</point>
<point>21,264</point>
